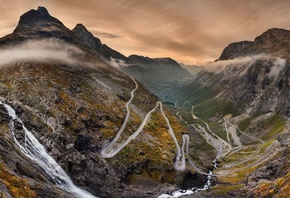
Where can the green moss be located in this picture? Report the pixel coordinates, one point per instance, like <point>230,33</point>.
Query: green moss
<point>266,145</point>
<point>276,124</point>
<point>243,125</point>
<point>223,190</point>
<point>218,129</point>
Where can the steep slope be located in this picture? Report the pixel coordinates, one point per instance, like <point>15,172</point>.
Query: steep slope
<point>244,98</point>
<point>74,103</point>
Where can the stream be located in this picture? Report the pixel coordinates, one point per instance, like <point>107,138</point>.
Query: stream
<point>37,153</point>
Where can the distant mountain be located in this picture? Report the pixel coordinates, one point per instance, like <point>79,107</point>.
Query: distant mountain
<point>192,69</point>
<point>155,74</point>
<point>159,74</point>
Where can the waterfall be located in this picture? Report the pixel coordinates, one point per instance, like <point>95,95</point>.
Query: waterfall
<point>37,153</point>
<point>190,191</point>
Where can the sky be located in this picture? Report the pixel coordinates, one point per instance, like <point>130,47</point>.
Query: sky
<point>189,31</point>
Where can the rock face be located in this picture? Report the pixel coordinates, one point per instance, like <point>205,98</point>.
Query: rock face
<point>75,106</point>
<point>274,42</point>
<point>41,20</point>
<point>238,49</point>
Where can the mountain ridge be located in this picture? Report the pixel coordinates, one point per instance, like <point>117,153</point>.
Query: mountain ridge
<point>274,41</point>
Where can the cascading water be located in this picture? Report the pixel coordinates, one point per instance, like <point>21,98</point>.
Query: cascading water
<point>192,190</point>
<point>37,153</point>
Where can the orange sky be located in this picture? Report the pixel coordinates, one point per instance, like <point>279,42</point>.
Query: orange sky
<point>189,31</point>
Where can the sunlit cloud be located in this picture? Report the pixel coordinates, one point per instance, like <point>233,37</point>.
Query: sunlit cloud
<point>186,30</point>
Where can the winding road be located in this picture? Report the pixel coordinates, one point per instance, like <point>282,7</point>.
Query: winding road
<point>111,149</point>
<point>105,150</point>
<point>222,147</point>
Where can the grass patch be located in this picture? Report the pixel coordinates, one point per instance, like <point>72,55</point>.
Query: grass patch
<point>18,187</point>
<point>266,145</point>
<point>277,125</point>
<point>238,176</point>
<point>222,190</point>
<point>218,129</point>
<point>243,125</point>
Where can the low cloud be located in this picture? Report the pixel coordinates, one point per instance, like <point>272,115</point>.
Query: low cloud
<point>105,35</point>
<point>117,63</point>
<point>218,66</point>
<point>44,51</point>
<point>239,66</point>
<point>279,65</point>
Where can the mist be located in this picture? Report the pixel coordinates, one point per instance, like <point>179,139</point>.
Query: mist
<point>239,66</point>
<point>40,51</point>
<point>218,66</point>
<point>117,63</point>
<point>279,65</point>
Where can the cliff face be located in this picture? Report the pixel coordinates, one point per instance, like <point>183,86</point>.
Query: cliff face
<point>74,103</point>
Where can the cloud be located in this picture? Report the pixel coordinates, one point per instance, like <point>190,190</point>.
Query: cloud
<point>187,30</point>
<point>239,66</point>
<point>117,63</point>
<point>279,65</point>
<point>220,65</point>
<point>105,34</point>
<point>44,51</point>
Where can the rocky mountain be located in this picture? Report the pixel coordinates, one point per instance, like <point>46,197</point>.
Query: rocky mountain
<point>243,98</point>
<point>66,95</point>
<point>274,41</point>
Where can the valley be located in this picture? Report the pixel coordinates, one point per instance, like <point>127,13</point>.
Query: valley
<point>80,119</point>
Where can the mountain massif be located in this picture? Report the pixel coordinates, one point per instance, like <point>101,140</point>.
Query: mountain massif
<point>58,89</point>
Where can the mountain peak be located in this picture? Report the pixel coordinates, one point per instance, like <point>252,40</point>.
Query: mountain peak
<point>80,26</point>
<point>87,37</point>
<point>81,29</point>
<point>42,10</point>
<point>36,20</point>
